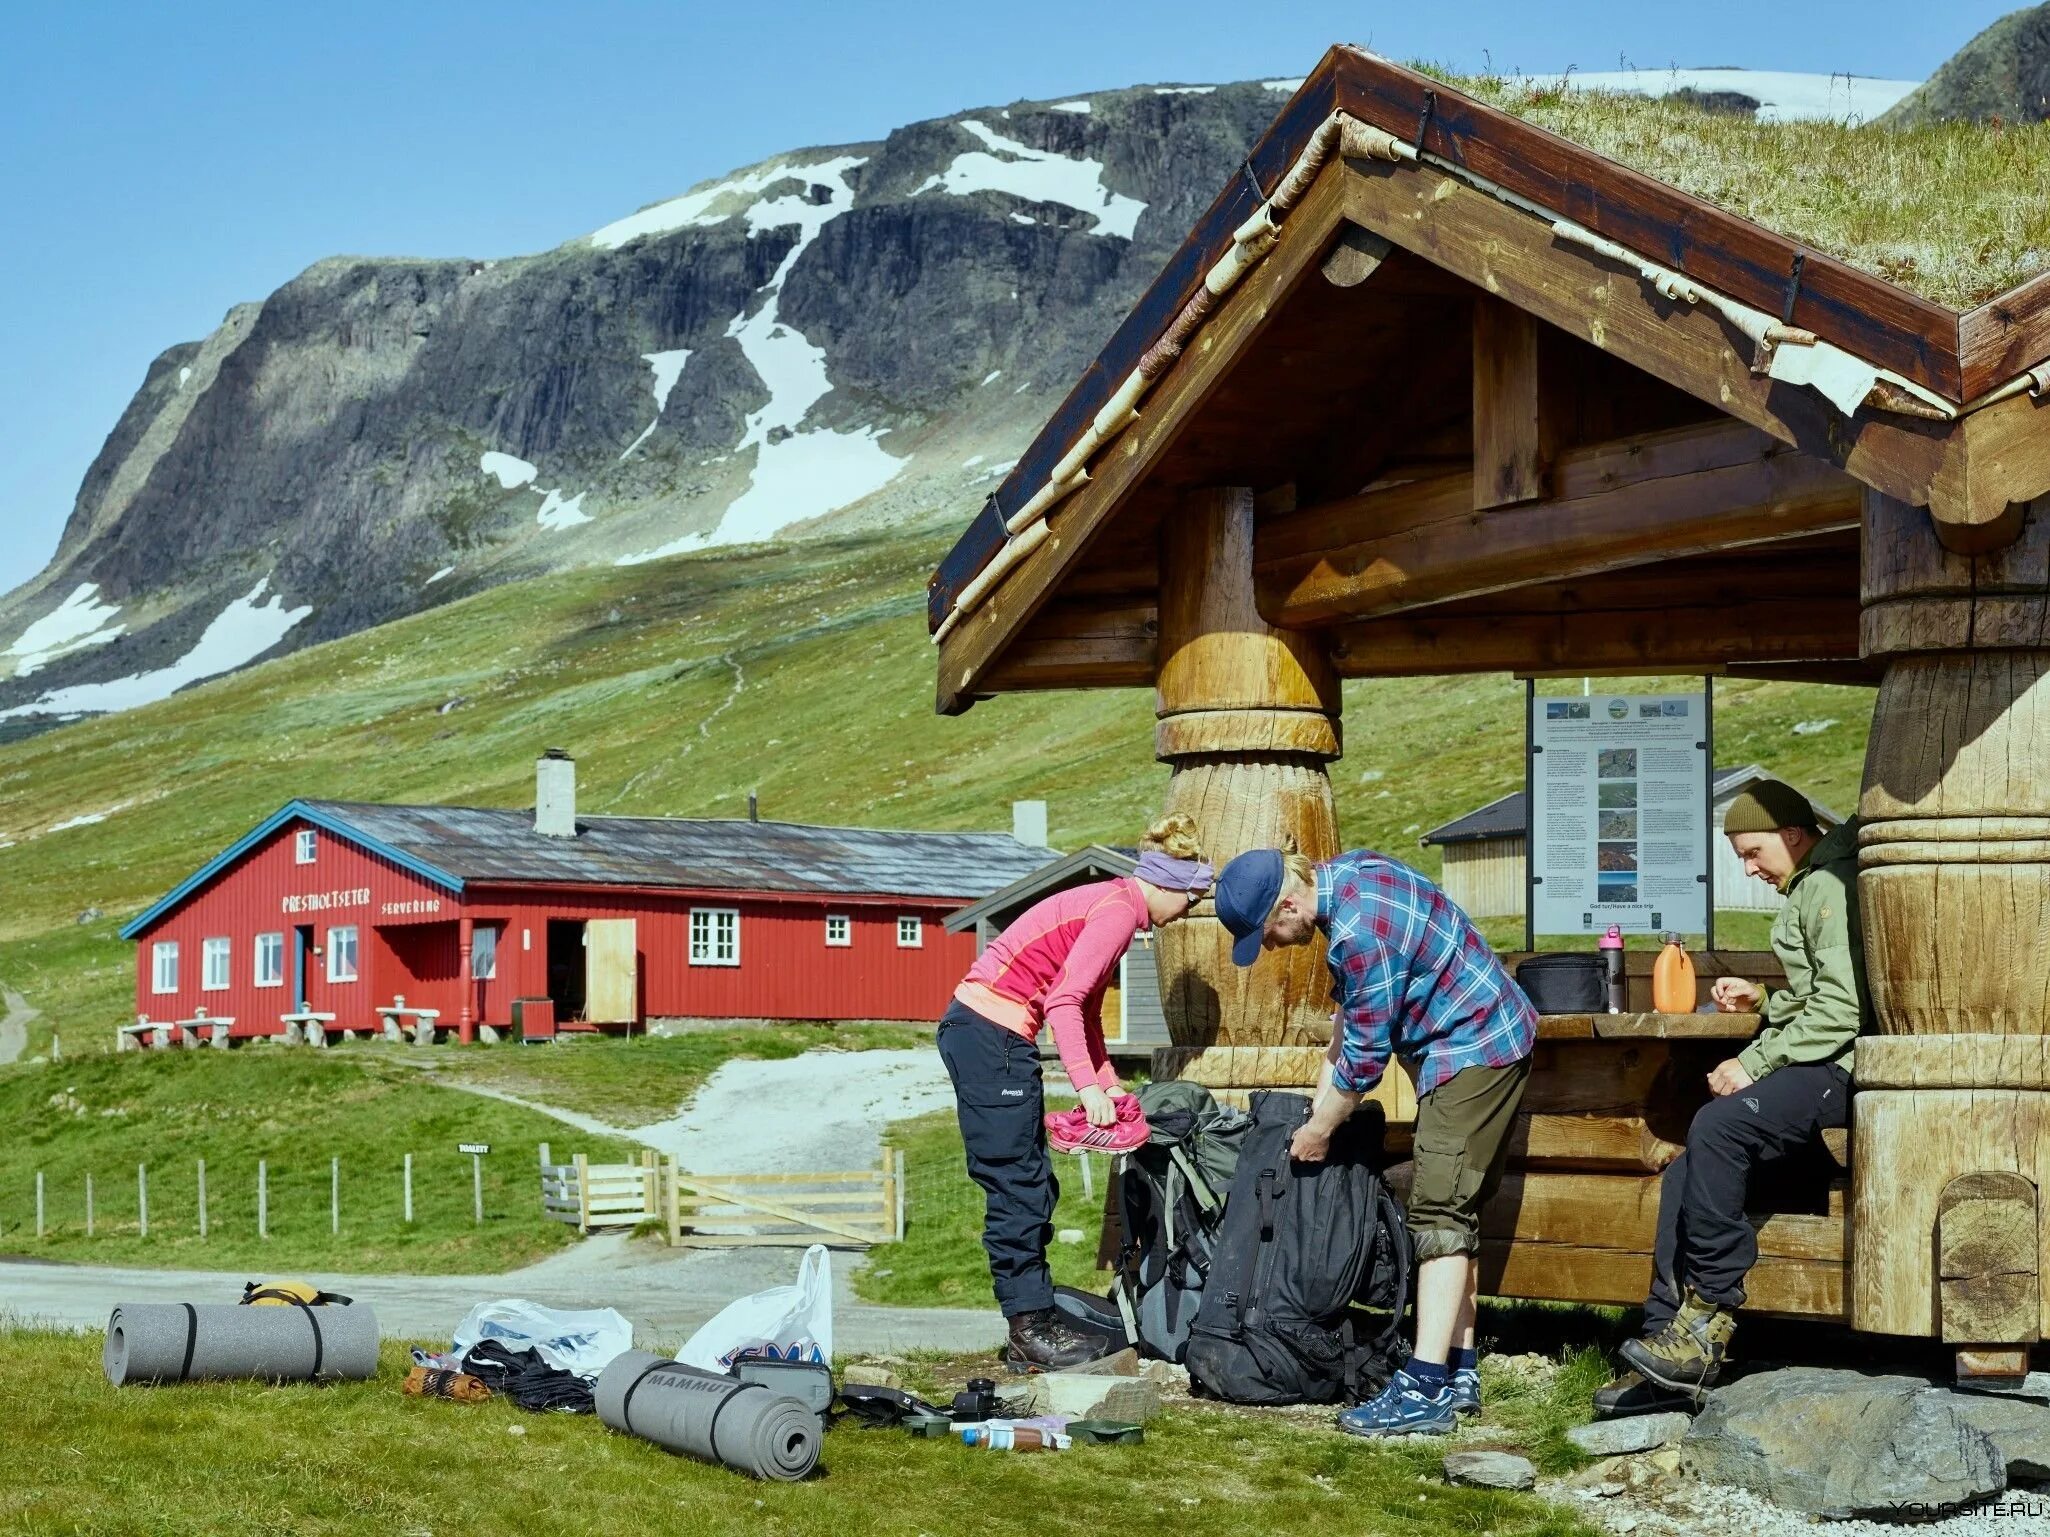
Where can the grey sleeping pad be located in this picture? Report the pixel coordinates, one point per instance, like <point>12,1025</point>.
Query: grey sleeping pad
<point>152,1342</point>
<point>741,1425</point>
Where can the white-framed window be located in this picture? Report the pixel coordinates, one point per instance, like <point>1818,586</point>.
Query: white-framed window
<point>304,843</point>
<point>270,960</point>
<point>714,936</point>
<point>910,932</point>
<point>839,930</point>
<point>484,952</point>
<point>213,965</point>
<point>341,953</point>
<point>163,966</point>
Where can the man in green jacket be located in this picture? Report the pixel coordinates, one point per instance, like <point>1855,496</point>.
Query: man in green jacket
<point>1772,1100</point>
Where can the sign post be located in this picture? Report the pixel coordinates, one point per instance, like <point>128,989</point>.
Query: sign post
<point>1620,789</point>
<point>476,1150</point>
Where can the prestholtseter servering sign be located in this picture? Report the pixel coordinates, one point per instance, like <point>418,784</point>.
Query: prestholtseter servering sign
<point>1619,814</point>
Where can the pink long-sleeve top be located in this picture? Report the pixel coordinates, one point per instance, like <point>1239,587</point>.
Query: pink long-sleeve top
<point>1052,967</point>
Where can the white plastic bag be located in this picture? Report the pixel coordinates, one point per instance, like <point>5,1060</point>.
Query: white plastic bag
<point>792,1323</point>
<point>581,1342</point>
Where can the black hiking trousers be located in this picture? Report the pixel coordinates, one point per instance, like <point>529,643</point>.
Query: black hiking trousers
<point>1704,1239</point>
<point>1002,1105</point>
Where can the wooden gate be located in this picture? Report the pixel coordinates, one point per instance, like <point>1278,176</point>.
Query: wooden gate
<point>842,1207</point>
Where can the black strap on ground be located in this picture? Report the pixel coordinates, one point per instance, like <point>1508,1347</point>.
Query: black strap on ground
<point>318,1345</point>
<point>191,1340</point>
<point>712,1430</point>
<point>626,1403</point>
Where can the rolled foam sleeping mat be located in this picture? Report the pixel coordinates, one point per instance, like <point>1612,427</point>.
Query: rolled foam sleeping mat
<point>156,1342</point>
<point>744,1426</point>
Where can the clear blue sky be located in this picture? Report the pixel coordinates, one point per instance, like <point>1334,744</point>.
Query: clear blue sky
<point>164,162</point>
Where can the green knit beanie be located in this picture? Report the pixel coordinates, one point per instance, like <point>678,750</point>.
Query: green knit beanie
<point>1768,806</point>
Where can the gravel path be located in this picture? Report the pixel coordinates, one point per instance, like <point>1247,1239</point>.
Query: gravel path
<point>14,1025</point>
<point>666,1292</point>
<point>1715,1510</point>
<point>821,1110</point>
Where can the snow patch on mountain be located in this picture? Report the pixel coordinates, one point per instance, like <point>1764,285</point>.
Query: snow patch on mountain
<point>1039,176</point>
<point>1783,96</point>
<point>695,209</point>
<point>558,511</point>
<point>71,626</point>
<point>512,473</point>
<point>238,635</point>
<point>797,475</point>
<point>668,367</point>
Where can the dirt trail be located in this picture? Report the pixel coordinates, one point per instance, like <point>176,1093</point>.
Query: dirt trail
<point>14,1025</point>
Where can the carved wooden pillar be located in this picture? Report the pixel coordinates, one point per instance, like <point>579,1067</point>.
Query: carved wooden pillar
<point>1248,719</point>
<point>1954,888</point>
<point>465,1009</point>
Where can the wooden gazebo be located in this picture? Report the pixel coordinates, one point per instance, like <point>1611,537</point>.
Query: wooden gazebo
<point>1432,390</point>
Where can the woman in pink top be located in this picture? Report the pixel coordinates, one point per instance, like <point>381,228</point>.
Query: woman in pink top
<point>1050,969</point>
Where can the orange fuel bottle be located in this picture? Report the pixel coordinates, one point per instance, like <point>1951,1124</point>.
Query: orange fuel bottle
<point>1672,979</point>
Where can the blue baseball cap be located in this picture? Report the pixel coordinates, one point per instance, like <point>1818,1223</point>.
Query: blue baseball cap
<point>1244,895</point>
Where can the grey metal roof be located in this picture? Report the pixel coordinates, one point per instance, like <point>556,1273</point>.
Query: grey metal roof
<point>1504,818</point>
<point>1095,862</point>
<point>476,844</point>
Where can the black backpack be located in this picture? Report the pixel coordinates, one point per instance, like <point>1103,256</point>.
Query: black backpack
<point>1300,1244</point>
<point>1169,1195</point>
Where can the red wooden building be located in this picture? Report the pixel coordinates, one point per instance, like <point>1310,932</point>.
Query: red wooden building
<point>337,915</point>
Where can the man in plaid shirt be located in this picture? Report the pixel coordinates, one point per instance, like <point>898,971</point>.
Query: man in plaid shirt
<point>1413,979</point>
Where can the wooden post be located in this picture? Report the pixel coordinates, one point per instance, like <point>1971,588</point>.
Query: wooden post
<point>1088,1180</point>
<point>583,1167</point>
<point>39,1203</point>
<point>1513,436</point>
<point>897,1157</point>
<point>477,1188</point>
<point>544,1156</point>
<point>1248,720</point>
<point>1954,889</point>
<point>88,1206</point>
<point>651,1184</point>
<point>674,1207</point>
<point>262,1198</point>
<point>202,1199</point>
<point>409,1189</point>
<point>142,1199</point>
<point>466,1030</point>
<point>334,1196</point>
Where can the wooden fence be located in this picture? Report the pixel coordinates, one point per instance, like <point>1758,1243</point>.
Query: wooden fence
<point>856,1207</point>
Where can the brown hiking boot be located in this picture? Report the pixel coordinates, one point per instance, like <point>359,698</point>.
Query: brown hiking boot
<point>1688,1354</point>
<point>1046,1341</point>
<point>1630,1394</point>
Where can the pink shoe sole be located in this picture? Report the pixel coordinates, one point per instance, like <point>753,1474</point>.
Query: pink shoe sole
<point>1069,1131</point>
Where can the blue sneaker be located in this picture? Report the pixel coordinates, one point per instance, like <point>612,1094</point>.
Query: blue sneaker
<point>1404,1408</point>
<point>1465,1386</point>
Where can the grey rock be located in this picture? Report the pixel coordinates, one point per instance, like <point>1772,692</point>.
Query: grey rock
<point>871,1375</point>
<point>2020,1428</point>
<point>1639,1433</point>
<point>1839,1444</point>
<point>91,915</point>
<point>1490,1470</point>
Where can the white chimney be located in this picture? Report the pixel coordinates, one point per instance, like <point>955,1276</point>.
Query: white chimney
<point>1028,823</point>
<point>555,794</point>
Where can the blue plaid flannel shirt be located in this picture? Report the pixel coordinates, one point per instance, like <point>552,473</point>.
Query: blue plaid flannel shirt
<point>1412,977</point>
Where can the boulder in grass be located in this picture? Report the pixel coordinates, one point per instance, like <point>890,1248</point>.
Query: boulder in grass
<point>1838,1444</point>
<point>1638,1433</point>
<point>1490,1470</point>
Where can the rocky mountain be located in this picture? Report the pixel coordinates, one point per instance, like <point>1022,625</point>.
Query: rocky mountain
<point>835,338</point>
<point>2004,72</point>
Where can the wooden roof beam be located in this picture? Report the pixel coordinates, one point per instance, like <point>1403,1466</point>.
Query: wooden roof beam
<point>1508,252</point>
<point>1514,430</point>
<point>1688,491</point>
<point>1699,637</point>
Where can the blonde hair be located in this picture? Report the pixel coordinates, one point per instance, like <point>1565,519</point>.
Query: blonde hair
<point>1295,866</point>
<point>1173,835</point>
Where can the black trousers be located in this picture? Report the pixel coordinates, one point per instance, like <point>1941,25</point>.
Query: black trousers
<point>1001,1105</point>
<point>1704,1239</point>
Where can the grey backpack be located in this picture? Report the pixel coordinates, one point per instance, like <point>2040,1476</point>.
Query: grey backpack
<point>1170,1195</point>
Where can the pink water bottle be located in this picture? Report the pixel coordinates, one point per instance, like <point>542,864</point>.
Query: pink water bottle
<point>1612,968</point>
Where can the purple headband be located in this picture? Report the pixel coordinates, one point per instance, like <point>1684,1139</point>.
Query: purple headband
<point>1157,869</point>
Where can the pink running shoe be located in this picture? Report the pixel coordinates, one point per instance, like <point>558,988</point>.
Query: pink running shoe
<point>1069,1131</point>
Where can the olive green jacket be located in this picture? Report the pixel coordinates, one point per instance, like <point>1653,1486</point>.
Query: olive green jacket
<point>1817,937</point>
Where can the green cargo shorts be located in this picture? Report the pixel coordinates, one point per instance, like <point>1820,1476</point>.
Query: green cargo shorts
<point>1462,1142</point>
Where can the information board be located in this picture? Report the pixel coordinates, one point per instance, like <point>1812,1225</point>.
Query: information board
<point>1619,812</point>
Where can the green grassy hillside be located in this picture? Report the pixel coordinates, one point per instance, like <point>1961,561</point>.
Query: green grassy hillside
<point>803,672</point>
